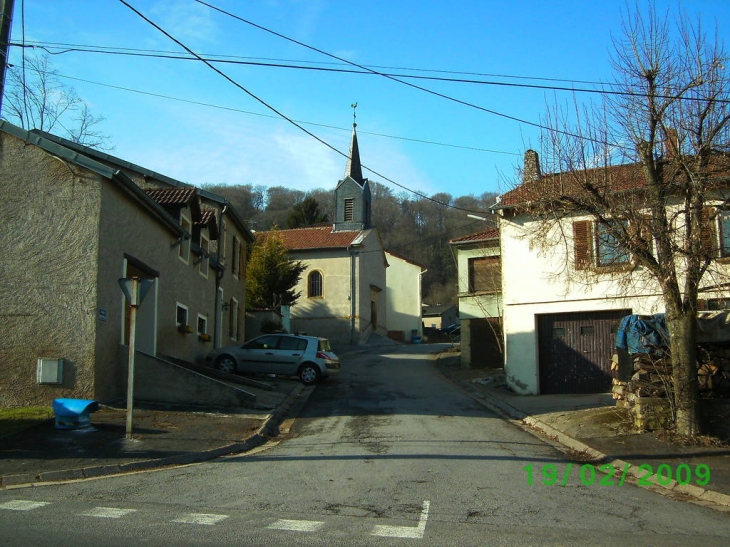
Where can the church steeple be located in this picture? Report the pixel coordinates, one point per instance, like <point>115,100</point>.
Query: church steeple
<point>353,168</point>
<point>352,195</point>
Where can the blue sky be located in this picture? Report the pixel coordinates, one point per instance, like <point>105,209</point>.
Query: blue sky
<point>237,140</point>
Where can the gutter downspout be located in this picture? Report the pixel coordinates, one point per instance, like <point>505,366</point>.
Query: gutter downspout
<point>353,305</point>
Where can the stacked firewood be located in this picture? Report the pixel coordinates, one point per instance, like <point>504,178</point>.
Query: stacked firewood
<point>652,375</point>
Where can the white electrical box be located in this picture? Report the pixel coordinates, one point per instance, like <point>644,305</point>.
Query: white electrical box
<point>50,370</point>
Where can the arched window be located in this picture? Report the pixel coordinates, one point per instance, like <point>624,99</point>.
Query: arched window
<point>315,285</point>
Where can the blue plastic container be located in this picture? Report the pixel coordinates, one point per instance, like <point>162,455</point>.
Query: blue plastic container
<point>73,413</point>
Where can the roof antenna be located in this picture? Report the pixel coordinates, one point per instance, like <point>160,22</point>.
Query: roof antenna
<point>354,114</point>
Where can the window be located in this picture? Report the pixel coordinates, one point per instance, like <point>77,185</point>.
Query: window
<point>723,222</point>
<point>292,344</point>
<point>184,248</point>
<point>315,285</point>
<point>609,250</point>
<point>181,315</point>
<point>485,274</point>
<point>202,324</point>
<point>238,260</point>
<point>205,256</point>
<point>234,319</point>
<point>597,244</point>
<point>349,209</point>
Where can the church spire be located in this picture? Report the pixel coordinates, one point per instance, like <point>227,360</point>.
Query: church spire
<point>353,168</point>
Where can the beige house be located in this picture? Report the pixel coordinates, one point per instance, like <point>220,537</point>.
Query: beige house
<point>563,299</point>
<point>479,279</point>
<point>403,298</point>
<point>76,221</point>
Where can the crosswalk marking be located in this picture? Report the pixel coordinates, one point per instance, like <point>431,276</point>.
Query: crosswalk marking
<point>22,505</point>
<point>406,532</point>
<point>201,518</point>
<point>107,512</point>
<point>297,525</point>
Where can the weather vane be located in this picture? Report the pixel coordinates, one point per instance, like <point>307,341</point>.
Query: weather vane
<point>354,114</point>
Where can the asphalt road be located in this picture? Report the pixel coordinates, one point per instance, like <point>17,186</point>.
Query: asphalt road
<point>388,453</point>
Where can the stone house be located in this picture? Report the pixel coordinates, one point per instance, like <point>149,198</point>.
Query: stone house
<point>76,221</point>
<point>563,299</point>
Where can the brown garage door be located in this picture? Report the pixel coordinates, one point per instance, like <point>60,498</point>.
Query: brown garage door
<point>576,350</point>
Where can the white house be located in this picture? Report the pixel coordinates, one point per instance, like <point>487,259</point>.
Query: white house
<point>403,298</point>
<point>565,291</point>
<point>479,273</point>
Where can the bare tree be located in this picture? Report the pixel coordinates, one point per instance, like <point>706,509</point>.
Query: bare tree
<point>37,99</point>
<point>648,168</point>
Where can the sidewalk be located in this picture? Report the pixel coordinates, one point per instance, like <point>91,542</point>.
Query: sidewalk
<point>161,437</point>
<point>595,432</point>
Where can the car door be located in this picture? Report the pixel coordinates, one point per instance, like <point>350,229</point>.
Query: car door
<point>288,355</point>
<point>257,355</point>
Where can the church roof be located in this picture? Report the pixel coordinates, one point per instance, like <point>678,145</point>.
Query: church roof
<point>318,237</point>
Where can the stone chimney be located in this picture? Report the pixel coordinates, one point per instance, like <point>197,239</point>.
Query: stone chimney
<point>531,171</point>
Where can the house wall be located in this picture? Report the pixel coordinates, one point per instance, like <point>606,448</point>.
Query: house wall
<point>372,283</point>
<point>481,305</point>
<point>232,286</point>
<point>403,297</point>
<point>542,280</point>
<point>48,287</point>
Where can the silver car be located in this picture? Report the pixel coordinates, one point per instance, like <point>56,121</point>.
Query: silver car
<point>308,357</point>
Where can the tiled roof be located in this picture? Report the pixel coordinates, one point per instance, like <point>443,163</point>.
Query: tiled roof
<point>492,233</point>
<point>320,237</point>
<point>172,197</point>
<point>616,178</point>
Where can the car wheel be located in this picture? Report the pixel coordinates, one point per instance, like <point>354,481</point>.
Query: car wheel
<point>226,363</point>
<point>309,373</point>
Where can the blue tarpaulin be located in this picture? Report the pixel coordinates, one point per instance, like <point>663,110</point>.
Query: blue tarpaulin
<point>642,333</point>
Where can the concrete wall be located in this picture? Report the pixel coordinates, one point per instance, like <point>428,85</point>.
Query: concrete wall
<point>160,381</point>
<point>50,213</point>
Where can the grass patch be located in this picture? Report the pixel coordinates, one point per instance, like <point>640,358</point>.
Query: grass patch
<point>17,419</point>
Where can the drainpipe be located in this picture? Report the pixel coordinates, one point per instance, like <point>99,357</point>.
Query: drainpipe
<point>353,305</point>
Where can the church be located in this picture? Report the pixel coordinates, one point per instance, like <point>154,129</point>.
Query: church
<point>343,289</point>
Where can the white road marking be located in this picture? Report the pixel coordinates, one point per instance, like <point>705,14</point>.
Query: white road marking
<point>408,532</point>
<point>296,525</point>
<point>201,518</point>
<point>107,512</point>
<point>22,505</point>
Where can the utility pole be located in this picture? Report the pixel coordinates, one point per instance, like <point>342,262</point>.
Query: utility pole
<point>6,19</point>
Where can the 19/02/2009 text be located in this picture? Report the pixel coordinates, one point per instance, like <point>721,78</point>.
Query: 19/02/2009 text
<point>607,474</point>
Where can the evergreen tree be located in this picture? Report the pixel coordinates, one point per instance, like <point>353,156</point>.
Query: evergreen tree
<point>272,276</point>
<point>306,213</point>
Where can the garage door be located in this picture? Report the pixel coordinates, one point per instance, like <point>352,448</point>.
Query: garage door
<point>576,349</point>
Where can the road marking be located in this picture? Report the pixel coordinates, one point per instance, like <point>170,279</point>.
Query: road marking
<point>107,512</point>
<point>22,505</point>
<point>201,518</point>
<point>296,525</point>
<point>408,532</point>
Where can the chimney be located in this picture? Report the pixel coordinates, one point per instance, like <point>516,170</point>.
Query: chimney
<point>531,171</point>
<point>671,144</point>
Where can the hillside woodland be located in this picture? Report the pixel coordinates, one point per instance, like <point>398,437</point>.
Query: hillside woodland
<point>415,228</point>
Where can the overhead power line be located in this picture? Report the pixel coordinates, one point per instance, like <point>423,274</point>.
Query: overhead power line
<point>281,114</point>
<point>315,124</point>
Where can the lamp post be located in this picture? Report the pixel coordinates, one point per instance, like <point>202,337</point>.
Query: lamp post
<point>134,289</point>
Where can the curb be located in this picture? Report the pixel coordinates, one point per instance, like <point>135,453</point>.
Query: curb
<point>507,411</point>
<point>268,430</point>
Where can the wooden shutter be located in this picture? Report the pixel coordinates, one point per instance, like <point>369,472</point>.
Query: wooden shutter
<point>582,244</point>
<point>708,232</point>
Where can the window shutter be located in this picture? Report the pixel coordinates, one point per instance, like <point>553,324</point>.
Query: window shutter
<point>708,232</point>
<point>582,244</point>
